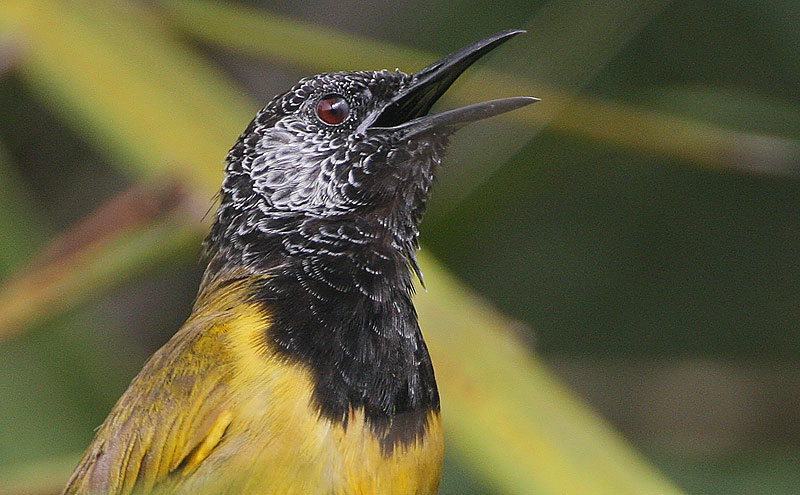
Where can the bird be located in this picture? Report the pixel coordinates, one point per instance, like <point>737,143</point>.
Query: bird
<point>302,368</point>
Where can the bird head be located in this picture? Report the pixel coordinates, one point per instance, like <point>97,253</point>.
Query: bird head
<point>346,154</point>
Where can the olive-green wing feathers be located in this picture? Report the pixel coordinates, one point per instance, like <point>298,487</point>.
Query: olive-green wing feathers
<point>170,418</point>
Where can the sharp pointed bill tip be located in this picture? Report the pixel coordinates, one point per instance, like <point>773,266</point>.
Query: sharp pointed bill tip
<point>411,105</point>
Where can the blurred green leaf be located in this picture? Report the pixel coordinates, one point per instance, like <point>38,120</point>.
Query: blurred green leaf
<point>534,436</point>
<point>115,72</point>
<point>47,290</point>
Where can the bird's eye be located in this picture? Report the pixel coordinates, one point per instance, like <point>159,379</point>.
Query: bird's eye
<point>333,109</point>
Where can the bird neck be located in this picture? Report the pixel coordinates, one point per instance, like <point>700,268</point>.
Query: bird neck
<point>338,292</point>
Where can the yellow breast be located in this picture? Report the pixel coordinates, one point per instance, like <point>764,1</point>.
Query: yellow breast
<point>277,443</point>
<point>217,412</point>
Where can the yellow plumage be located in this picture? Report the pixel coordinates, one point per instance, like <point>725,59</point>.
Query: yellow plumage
<point>216,411</point>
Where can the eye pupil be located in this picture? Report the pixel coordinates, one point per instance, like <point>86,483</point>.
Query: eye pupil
<point>333,109</point>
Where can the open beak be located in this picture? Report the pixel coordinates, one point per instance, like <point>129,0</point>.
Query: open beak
<point>407,112</point>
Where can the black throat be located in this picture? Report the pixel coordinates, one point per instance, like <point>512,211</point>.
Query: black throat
<point>338,292</point>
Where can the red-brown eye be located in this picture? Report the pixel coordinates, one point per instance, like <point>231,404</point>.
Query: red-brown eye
<point>333,109</point>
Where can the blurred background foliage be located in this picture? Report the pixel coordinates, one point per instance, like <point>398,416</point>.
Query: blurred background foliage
<point>638,228</point>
